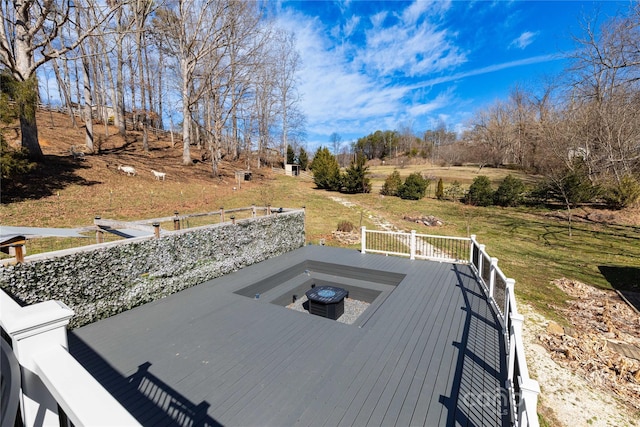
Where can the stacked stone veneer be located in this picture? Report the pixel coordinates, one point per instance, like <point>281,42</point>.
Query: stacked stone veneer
<point>99,281</point>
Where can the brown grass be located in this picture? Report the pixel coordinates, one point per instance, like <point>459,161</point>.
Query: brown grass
<point>64,191</point>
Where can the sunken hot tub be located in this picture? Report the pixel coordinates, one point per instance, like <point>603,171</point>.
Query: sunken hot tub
<point>327,301</point>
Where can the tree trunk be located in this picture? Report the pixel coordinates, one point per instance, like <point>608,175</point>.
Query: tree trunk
<point>186,114</point>
<point>88,100</point>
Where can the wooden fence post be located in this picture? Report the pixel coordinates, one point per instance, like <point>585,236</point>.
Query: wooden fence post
<point>19,253</point>
<point>99,233</point>
<point>176,222</point>
<point>156,229</point>
<point>221,214</point>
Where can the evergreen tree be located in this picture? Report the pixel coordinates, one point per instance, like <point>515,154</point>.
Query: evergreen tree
<point>480,193</point>
<point>440,190</point>
<point>303,159</point>
<point>326,172</point>
<point>414,187</point>
<point>509,193</point>
<point>355,179</point>
<point>13,162</point>
<point>391,184</point>
<point>291,155</point>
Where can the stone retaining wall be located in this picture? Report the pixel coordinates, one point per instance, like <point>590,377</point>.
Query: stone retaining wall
<point>99,281</point>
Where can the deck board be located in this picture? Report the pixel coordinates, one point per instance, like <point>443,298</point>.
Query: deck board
<point>212,354</point>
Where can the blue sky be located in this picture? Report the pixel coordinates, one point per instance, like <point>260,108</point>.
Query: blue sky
<point>378,65</point>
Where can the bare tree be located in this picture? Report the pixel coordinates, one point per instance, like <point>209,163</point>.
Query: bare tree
<point>27,31</point>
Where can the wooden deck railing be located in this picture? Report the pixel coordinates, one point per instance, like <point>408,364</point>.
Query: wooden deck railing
<point>522,391</point>
<point>54,389</point>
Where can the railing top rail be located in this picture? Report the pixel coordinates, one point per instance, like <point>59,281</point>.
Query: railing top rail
<point>418,234</point>
<point>81,396</point>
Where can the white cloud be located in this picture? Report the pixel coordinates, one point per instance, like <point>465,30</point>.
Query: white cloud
<point>488,69</point>
<point>524,40</point>
<point>413,45</point>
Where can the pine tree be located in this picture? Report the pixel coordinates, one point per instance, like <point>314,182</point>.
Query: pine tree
<point>326,171</point>
<point>303,159</point>
<point>440,190</point>
<point>391,184</point>
<point>355,179</point>
<point>414,187</point>
<point>291,155</point>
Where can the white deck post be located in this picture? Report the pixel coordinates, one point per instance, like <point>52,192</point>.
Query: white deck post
<point>492,277</point>
<point>529,391</point>
<point>35,329</point>
<point>480,261</point>
<point>471,246</point>
<point>516,324</point>
<point>412,245</point>
<point>363,239</point>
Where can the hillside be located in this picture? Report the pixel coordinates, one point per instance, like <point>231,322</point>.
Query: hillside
<point>95,184</point>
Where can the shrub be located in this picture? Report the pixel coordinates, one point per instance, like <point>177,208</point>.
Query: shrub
<point>440,190</point>
<point>355,178</point>
<point>509,193</point>
<point>391,184</point>
<point>480,193</point>
<point>13,162</point>
<point>345,226</point>
<point>414,187</point>
<point>453,191</point>
<point>626,193</point>
<point>326,171</point>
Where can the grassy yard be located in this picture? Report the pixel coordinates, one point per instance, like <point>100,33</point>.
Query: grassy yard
<point>533,245</point>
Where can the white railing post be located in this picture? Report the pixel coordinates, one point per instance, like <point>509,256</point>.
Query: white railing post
<point>471,246</point>
<point>492,278</point>
<point>506,304</point>
<point>363,239</point>
<point>481,261</point>
<point>529,391</point>
<point>514,333</point>
<point>35,329</point>
<point>412,245</point>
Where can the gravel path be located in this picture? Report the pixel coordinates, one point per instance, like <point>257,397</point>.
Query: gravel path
<point>352,309</point>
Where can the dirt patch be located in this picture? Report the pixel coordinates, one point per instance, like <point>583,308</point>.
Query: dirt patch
<point>429,220</point>
<point>589,370</point>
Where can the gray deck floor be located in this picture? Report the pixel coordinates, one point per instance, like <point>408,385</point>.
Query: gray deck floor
<point>428,355</point>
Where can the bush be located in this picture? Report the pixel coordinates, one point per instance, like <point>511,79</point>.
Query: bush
<point>414,187</point>
<point>355,178</point>
<point>440,190</point>
<point>510,192</point>
<point>391,184</point>
<point>480,193</point>
<point>13,162</point>
<point>453,191</point>
<point>326,171</point>
<point>624,194</point>
<point>345,226</point>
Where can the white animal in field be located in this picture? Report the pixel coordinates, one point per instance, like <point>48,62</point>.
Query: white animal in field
<point>159,175</point>
<point>129,170</point>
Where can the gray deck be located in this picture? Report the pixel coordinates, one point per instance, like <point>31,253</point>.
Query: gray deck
<point>429,354</point>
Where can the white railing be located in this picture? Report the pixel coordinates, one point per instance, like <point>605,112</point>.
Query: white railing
<point>522,390</point>
<point>416,246</point>
<point>54,388</point>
